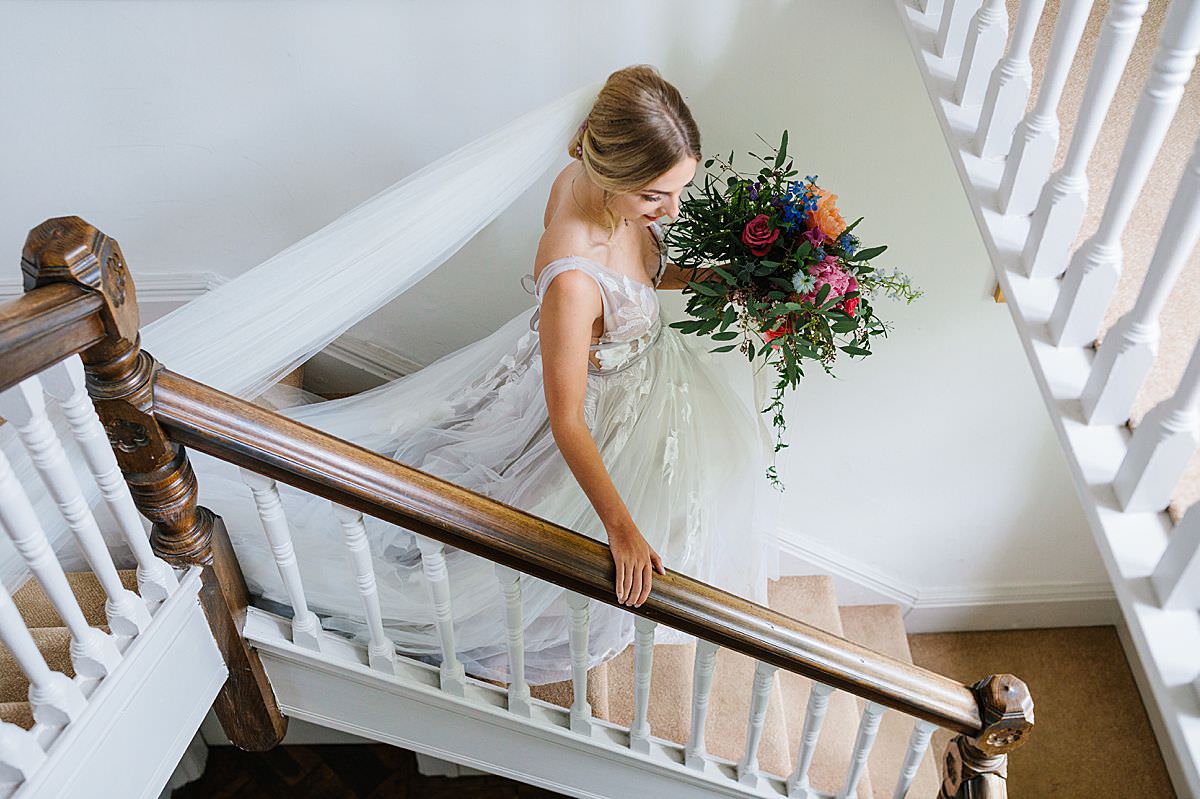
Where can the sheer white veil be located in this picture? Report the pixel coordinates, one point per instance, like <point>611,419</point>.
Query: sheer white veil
<point>245,335</point>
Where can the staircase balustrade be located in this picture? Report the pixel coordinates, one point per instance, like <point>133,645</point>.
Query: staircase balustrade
<point>1125,482</point>
<point>152,415</point>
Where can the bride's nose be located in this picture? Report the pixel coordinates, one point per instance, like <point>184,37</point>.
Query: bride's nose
<point>672,208</point>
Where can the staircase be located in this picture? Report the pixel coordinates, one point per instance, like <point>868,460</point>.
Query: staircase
<point>801,699</point>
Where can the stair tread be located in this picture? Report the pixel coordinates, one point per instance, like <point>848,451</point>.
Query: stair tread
<point>55,645</point>
<point>37,610</point>
<point>19,713</point>
<point>881,627</point>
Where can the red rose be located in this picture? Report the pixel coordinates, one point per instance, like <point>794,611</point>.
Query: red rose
<point>758,235</point>
<point>771,335</point>
<point>850,305</point>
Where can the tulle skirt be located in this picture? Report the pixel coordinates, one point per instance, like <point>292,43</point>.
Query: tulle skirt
<point>679,432</point>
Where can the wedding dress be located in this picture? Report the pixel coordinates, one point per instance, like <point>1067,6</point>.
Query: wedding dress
<point>680,434</point>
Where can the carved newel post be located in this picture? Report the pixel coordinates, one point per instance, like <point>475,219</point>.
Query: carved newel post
<point>977,768</point>
<point>120,380</point>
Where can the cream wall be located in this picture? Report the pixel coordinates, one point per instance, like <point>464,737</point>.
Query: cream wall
<point>208,136</point>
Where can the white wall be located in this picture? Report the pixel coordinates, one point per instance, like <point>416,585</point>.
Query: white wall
<point>208,136</point>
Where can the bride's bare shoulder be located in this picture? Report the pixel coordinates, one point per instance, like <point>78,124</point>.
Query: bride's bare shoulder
<point>566,231</point>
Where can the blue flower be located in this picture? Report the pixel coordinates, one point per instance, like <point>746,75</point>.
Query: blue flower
<point>803,282</point>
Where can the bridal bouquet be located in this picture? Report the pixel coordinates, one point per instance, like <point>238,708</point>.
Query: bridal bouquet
<point>792,281</point>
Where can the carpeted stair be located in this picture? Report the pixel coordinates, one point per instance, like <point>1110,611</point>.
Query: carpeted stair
<point>53,639</point>
<point>810,599</point>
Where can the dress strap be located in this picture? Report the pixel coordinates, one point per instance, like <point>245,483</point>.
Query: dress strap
<point>557,267</point>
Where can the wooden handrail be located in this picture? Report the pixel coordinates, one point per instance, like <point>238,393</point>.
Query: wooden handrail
<point>266,442</point>
<point>40,328</point>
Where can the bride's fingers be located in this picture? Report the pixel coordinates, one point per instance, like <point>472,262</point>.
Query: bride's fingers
<point>647,570</point>
<point>636,590</point>
<point>656,561</point>
<point>621,581</point>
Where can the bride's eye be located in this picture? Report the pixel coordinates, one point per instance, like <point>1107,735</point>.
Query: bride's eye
<point>650,198</point>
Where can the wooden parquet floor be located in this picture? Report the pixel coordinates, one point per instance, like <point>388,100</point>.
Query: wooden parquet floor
<point>340,771</point>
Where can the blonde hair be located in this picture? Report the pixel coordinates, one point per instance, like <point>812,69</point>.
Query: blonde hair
<point>638,128</point>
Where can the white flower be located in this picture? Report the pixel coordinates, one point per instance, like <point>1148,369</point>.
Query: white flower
<point>611,357</point>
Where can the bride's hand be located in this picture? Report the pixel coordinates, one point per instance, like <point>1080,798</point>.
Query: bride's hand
<point>635,562</point>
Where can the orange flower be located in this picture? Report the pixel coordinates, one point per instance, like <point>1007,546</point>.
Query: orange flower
<point>827,214</point>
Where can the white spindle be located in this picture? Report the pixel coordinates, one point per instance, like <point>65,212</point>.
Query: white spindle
<point>20,754</point>
<point>65,382</point>
<point>1035,140</point>
<point>952,31</point>
<point>695,755</point>
<point>1009,87</point>
<point>1161,446</point>
<point>985,44</point>
<point>24,405</point>
<point>381,653</point>
<point>518,688</point>
<point>932,8</point>
<point>93,653</point>
<point>1130,347</point>
<point>918,742</point>
<point>581,711</point>
<point>1096,266</point>
<point>53,697</point>
<point>814,716</point>
<point>867,727</point>
<point>1176,578</point>
<point>306,628</point>
<point>433,564</point>
<point>1064,199</point>
<point>643,664</point>
<point>764,681</point>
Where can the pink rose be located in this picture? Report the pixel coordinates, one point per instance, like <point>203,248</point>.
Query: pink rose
<point>758,235</point>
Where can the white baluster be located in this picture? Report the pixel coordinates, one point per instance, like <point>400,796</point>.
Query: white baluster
<point>381,653</point>
<point>985,44</point>
<point>814,716</point>
<point>65,382</point>
<point>867,727</point>
<point>20,754</point>
<point>695,755</point>
<point>1035,140</point>
<point>93,653</point>
<point>306,629</point>
<point>643,664</point>
<point>518,688</point>
<point>1009,87</point>
<point>24,406</point>
<point>1130,347</point>
<point>581,711</point>
<point>952,31</point>
<point>54,698</point>
<point>1161,446</point>
<point>931,8</point>
<point>764,681</point>
<point>1064,199</point>
<point>917,744</point>
<point>1096,266</point>
<point>433,564</point>
<point>1176,578</point>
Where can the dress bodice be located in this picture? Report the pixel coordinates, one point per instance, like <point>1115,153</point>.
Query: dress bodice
<point>632,317</point>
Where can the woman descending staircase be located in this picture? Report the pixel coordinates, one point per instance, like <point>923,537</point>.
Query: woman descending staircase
<point>804,699</point>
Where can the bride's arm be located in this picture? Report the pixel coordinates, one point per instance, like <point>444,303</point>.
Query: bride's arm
<point>570,304</point>
<point>675,277</point>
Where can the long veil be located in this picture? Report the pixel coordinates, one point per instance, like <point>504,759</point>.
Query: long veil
<point>319,287</point>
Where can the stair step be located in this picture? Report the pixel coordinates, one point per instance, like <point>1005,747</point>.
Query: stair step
<point>37,611</point>
<point>812,599</point>
<point>19,713</point>
<point>55,645</point>
<point>881,627</point>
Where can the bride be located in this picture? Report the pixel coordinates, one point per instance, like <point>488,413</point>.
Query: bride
<point>587,410</point>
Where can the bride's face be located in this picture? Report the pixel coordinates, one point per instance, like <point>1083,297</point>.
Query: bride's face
<point>660,197</point>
